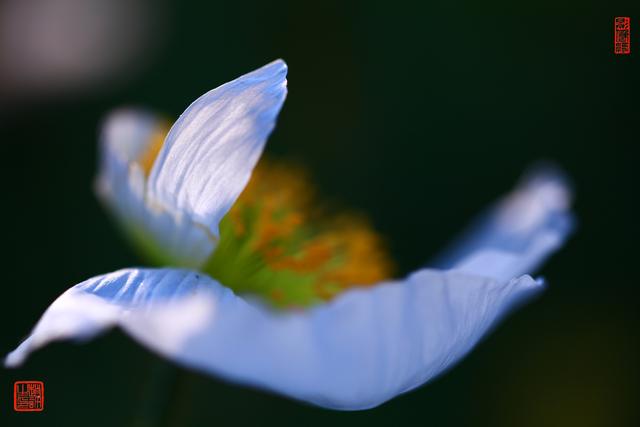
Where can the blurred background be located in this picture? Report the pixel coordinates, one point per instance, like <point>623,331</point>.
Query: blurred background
<point>418,113</point>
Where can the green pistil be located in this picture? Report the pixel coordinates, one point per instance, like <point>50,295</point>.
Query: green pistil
<point>237,265</point>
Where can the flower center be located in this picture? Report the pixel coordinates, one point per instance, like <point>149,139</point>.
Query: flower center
<point>275,243</point>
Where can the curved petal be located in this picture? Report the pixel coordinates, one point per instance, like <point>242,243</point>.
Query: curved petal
<point>209,153</point>
<point>117,298</point>
<point>356,352</point>
<point>519,232</point>
<point>121,184</point>
<point>173,205</point>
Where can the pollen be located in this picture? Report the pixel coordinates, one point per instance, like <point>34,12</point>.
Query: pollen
<point>149,154</point>
<point>278,243</point>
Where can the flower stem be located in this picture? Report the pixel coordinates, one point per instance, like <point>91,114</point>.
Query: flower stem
<point>157,394</point>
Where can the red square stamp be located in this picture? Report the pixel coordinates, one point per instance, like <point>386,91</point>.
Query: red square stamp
<point>28,396</point>
<point>622,35</point>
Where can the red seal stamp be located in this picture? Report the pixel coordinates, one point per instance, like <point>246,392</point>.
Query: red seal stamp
<point>622,35</point>
<point>28,396</point>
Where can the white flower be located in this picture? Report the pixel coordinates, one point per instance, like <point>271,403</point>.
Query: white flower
<point>357,350</point>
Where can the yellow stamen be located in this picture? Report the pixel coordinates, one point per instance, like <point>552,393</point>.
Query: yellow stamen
<point>148,156</point>
<point>280,225</point>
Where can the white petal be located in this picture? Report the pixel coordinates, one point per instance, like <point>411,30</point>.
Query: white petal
<point>516,235</point>
<point>209,154</point>
<point>122,186</point>
<point>356,352</point>
<point>203,166</point>
<point>112,299</point>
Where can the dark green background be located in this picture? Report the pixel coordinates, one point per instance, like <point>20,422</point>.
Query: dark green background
<point>417,113</point>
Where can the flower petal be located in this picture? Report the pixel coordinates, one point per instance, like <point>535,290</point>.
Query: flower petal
<point>209,153</point>
<point>202,167</point>
<point>113,299</point>
<point>517,234</point>
<point>122,185</point>
<point>356,352</point>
